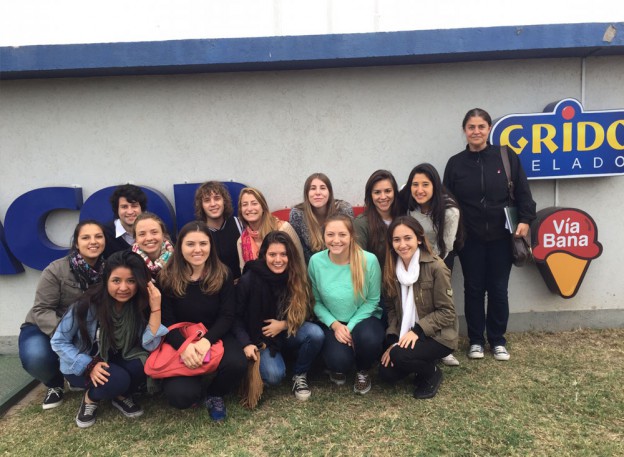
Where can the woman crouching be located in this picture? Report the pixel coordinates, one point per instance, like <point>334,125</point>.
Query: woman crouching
<point>422,327</point>
<point>274,305</point>
<point>104,339</point>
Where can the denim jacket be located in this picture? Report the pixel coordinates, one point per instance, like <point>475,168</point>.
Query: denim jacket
<point>66,341</point>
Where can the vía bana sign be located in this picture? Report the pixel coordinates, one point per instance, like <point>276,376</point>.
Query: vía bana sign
<point>565,141</point>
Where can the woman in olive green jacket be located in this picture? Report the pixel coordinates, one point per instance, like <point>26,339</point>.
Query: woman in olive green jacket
<point>422,325</point>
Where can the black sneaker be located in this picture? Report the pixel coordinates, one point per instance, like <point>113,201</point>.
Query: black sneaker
<point>428,388</point>
<point>53,398</point>
<point>128,407</point>
<point>300,387</point>
<point>86,414</point>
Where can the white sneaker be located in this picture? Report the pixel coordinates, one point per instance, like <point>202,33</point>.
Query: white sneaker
<point>450,361</point>
<point>475,351</point>
<point>500,353</point>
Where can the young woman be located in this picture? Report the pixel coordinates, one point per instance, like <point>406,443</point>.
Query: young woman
<point>346,284</point>
<point>104,340</point>
<point>427,201</point>
<point>61,284</point>
<point>422,325</point>
<point>198,287</point>
<point>213,205</point>
<point>152,241</point>
<point>477,178</point>
<point>274,305</point>
<point>253,210</point>
<point>381,207</point>
<point>438,213</point>
<point>308,217</point>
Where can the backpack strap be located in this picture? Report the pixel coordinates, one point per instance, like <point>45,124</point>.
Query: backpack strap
<point>510,185</point>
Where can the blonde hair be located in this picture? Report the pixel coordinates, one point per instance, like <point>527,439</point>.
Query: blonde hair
<point>357,260</point>
<point>268,222</point>
<point>315,227</point>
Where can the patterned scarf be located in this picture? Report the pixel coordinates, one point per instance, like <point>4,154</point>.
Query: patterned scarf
<point>155,266</point>
<point>83,272</point>
<point>249,244</point>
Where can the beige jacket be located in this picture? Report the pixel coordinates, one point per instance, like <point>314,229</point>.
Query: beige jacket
<point>433,297</point>
<point>57,289</point>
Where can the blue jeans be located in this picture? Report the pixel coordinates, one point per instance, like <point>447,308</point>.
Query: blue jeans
<point>307,343</point>
<point>125,378</point>
<point>38,358</point>
<point>486,266</point>
<point>368,338</point>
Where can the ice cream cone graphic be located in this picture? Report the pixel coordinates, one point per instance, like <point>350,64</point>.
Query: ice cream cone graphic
<point>567,271</point>
<point>565,241</point>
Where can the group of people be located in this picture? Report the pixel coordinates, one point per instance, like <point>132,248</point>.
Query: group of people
<point>375,289</point>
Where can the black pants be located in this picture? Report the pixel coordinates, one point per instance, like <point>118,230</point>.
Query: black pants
<point>186,391</point>
<point>420,360</point>
<point>486,266</point>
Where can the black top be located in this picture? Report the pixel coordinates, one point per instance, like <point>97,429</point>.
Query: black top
<point>478,182</point>
<point>215,311</point>
<point>225,242</point>
<point>113,244</point>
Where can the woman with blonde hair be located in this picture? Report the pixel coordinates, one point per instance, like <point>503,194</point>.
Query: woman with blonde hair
<point>346,283</point>
<point>274,307</point>
<point>152,241</point>
<point>253,211</point>
<point>309,216</point>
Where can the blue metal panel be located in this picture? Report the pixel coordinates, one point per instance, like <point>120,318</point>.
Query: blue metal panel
<point>309,51</point>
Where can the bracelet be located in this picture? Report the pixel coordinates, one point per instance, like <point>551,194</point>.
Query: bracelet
<point>154,310</point>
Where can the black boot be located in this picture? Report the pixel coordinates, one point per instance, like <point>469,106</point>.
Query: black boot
<point>428,388</point>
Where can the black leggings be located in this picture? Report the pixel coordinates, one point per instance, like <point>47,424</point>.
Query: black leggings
<point>186,391</point>
<point>420,360</point>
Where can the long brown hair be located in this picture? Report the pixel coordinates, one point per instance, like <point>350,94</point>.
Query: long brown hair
<point>174,278</point>
<point>377,228</point>
<point>315,227</point>
<point>357,261</point>
<point>268,222</point>
<point>300,298</point>
<point>389,273</point>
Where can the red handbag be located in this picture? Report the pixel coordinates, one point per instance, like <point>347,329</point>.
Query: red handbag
<point>165,361</point>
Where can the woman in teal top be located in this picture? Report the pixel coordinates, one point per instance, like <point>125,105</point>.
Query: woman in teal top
<point>346,284</point>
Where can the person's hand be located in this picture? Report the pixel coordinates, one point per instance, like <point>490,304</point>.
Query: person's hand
<point>385,358</point>
<point>99,375</point>
<point>202,347</point>
<point>251,352</point>
<point>154,297</point>
<point>273,327</point>
<point>342,333</point>
<point>522,230</point>
<point>193,356</point>
<point>408,340</point>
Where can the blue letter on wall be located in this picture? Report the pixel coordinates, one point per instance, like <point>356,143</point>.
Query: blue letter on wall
<point>9,265</point>
<point>25,224</point>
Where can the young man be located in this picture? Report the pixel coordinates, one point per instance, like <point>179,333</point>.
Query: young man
<point>213,205</point>
<point>127,202</point>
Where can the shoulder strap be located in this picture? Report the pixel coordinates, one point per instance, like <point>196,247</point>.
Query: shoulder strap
<point>510,185</point>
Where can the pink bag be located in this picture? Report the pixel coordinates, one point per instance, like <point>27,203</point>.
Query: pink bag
<point>165,361</point>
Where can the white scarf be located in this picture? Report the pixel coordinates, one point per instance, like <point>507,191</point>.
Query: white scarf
<point>407,278</point>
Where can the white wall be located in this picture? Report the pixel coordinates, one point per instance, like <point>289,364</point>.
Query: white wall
<point>272,129</point>
<point>31,22</point>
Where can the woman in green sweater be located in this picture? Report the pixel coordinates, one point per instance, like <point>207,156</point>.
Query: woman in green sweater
<point>346,284</point>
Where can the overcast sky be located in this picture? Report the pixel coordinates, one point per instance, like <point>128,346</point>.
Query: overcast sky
<point>28,22</point>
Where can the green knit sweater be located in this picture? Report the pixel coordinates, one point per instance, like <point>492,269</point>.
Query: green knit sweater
<point>333,290</point>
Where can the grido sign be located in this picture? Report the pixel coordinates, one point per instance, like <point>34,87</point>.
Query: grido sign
<point>565,141</point>
<point>565,241</point>
<point>23,240</point>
